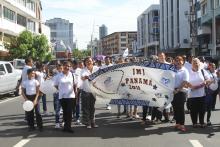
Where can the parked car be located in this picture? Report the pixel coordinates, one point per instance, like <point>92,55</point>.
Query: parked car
<point>9,78</point>
<point>18,63</point>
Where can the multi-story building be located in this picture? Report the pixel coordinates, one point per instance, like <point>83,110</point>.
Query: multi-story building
<point>17,16</point>
<point>103,31</point>
<point>148,31</point>
<point>208,27</point>
<point>116,43</point>
<point>174,27</point>
<point>61,36</point>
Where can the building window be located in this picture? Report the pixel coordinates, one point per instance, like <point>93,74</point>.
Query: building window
<point>123,45</point>
<point>30,5</point>
<point>123,39</point>
<point>21,20</point>
<point>31,25</point>
<point>9,14</point>
<point>123,34</point>
<point>22,2</point>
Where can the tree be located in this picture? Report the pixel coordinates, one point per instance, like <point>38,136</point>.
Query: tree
<point>80,54</point>
<point>29,45</point>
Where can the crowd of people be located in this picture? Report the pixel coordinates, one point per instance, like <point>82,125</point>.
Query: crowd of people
<point>196,87</point>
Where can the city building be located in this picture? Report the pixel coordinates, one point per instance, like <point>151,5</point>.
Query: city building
<point>17,16</point>
<point>148,31</point>
<point>61,35</point>
<point>208,27</point>
<point>116,43</point>
<point>103,31</point>
<point>175,27</point>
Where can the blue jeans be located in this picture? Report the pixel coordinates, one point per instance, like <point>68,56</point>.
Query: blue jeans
<point>57,106</point>
<point>44,101</point>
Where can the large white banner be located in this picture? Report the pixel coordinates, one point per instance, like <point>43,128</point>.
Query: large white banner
<point>144,83</point>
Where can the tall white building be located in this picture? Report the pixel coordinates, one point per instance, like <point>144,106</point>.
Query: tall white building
<point>174,26</point>
<point>17,16</point>
<point>148,31</point>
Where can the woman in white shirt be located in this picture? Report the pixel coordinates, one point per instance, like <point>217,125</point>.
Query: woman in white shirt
<point>181,80</point>
<point>66,83</point>
<point>87,98</point>
<point>196,98</point>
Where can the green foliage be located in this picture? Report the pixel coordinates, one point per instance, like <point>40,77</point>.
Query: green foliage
<point>80,54</point>
<point>29,45</point>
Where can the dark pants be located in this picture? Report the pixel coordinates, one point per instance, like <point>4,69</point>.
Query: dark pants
<point>30,114</point>
<point>178,107</point>
<point>76,109</point>
<point>156,114</point>
<point>197,109</point>
<point>67,106</point>
<point>88,108</point>
<point>57,106</point>
<point>214,96</point>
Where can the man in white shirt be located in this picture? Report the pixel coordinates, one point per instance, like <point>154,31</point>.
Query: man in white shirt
<point>66,84</point>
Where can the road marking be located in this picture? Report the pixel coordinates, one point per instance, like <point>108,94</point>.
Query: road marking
<point>22,143</point>
<point>195,143</point>
<point>10,99</point>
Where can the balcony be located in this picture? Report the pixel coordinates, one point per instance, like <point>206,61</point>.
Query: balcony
<point>10,27</point>
<point>207,18</point>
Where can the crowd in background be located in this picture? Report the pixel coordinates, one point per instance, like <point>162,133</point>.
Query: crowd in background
<point>196,89</point>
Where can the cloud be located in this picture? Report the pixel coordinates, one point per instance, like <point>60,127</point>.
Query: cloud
<point>120,16</point>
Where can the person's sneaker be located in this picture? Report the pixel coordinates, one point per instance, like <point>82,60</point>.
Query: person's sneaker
<point>108,107</point>
<point>89,127</point>
<point>136,116</point>
<point>209,123</point>
<point>78,122</point>
<point>57,126</point>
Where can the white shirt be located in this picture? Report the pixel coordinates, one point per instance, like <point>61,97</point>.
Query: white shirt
<point>104,66</point>
<point>40,76</point>
<point>77,73</point>
<point>196,78</point>
<point>86,72</point>
<point>188,66</point>
<point>213,77</point>
<point>24,75</point>
<point>30,86</point>
<point>181,76</point>
<point>65,85</point>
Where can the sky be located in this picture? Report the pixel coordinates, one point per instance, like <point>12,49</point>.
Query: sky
<point>88,15</point>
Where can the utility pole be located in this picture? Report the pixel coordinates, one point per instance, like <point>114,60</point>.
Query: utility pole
<point>213,53</point>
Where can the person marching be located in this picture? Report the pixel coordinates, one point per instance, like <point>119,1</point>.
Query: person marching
<point>180,93</point>
<point>66,83</point>
<point>30,91</point>
<point>88,100</point>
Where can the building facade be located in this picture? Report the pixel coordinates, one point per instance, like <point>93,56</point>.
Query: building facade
<point>61,32</point>
<point>208,27</point>
<point>148,31</point>
<point>17,16</point>
<point>175,27</point>
<point>103,31</point>
<point>116,43</point>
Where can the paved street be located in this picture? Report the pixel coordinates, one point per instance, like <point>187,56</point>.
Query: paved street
<point>112,131</point>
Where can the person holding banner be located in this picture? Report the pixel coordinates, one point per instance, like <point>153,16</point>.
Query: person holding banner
<point>30,91</point>
<point>87,98</point>
<point>180,93</point>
